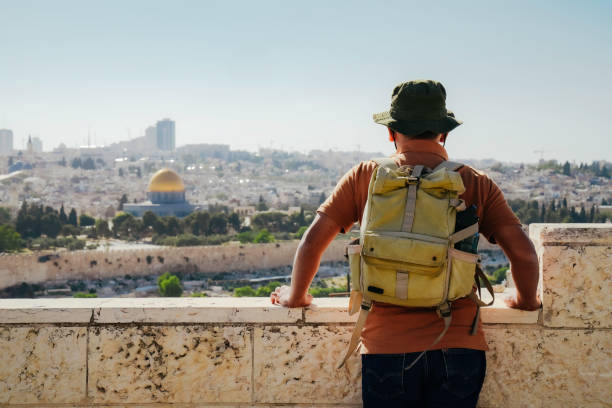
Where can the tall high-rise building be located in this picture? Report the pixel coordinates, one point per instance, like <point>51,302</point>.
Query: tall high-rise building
<point>6,141</point>
<point>165,135</point>
<point>37,144</point>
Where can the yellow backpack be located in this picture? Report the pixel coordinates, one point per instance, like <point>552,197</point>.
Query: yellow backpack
<point>406,253</point>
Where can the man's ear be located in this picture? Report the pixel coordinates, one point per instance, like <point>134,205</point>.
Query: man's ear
<point>391,134</point>
<point>443,138</point>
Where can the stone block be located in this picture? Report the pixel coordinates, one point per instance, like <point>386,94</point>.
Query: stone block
<point>576,368</point>
<point>42,365</point>
<point>577,286</point>
<point>193,310</point>
<point>68,310</point>
<point>513,368</point>
<point>170,364</point>
<point>329,310</point>
<point>298,365</point>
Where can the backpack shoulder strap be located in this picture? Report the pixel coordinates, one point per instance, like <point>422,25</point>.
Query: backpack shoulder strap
<point>386,162</point>
<point>449,165</point>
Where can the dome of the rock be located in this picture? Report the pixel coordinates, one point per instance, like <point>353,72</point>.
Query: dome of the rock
<point>166,181</point>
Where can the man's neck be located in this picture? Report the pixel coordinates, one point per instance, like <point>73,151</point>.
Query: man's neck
<point>410,144</point>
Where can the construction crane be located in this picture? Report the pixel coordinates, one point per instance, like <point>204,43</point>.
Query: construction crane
<point>541,152</point>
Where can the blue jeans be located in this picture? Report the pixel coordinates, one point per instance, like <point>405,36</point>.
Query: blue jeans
<point>441,378</point>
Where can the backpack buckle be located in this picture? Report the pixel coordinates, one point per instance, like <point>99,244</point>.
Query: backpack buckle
<point>444,310</point>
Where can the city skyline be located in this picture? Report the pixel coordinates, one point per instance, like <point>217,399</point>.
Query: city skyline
<point>523,77</point>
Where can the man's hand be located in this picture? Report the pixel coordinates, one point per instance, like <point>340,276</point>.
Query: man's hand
<point>307,257</point>
<point>513,302</point>
<point>282,296</point>
<point>524,265</point>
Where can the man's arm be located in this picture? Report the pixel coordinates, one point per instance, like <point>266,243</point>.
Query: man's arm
<point>524,265</point>
<point>306,262</point>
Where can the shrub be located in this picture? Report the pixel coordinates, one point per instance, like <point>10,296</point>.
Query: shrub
<point>325,292</point>
<point>86,220</point>
<point>187,240</point>
<point>263,236</point>
<point>262,291</point>
<point>499,275</point>
<point>198,294</point>
<point>300,233</point>
<point>76,244</point>
<point>169,285</point>
<point>244,291</point>
<point>10,240</point>
<point>85,295</point>
<point>246,237</point>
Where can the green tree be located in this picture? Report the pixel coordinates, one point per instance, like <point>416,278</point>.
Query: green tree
<point>322,198</point>
<point>197,222</point>
<point>10,240</point>
<point>86,220</point>
<point>119,219</point>
<point>5,215</point>
<point>173,226</point>
<point>498,276</point>
<point>62,215</point>
<point>261,205</point>
<point>300,233</point>
<point>102,228</point>
<point>122,200</point>
<point>218,224</point>
<point>72,217</point>
<point>234,221</point>
<point>159,226</point>
<point>88,164</point>
<point>169,285</point>
<point>246,237</point>
<point>566,169</point>
<point>149,218</point>
<point>50,225</point>
<point>69,229</point>
<point>264,236</point>
<point>76,163</point>
<point>272,221</point>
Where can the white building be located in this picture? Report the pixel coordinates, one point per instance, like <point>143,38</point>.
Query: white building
<point>37,144</point>
<point>6,142</point>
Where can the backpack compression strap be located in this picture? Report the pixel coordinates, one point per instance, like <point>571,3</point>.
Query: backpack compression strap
<point>452,166</point>
<point>366,305</point>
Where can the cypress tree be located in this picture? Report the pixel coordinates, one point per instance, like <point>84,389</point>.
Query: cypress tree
<point>72,217</point>
<point>62,215</point>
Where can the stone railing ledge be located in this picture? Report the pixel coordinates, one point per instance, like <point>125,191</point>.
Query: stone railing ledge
<point>571,234</point>
<point>203,310</point>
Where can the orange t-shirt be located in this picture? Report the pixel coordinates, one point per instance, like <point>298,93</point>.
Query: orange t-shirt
<point>395,329</point>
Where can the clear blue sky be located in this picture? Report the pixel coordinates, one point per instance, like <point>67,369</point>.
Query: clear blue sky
<point>301,75</point>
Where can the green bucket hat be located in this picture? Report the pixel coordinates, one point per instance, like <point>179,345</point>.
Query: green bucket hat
<point>416,107</point>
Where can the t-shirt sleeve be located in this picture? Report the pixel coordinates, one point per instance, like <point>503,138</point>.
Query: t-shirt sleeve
<point>495,209</point>
<point>345,204</point>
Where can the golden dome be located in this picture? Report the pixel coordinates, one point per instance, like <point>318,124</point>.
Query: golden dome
<point>166,180</point>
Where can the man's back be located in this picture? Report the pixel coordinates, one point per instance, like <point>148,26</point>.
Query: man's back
<point>395,329</point>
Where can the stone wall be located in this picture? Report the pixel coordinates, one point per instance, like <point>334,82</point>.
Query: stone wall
<point>245,352</point>
<point>99,264</point>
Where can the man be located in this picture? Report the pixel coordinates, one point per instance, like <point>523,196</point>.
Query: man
<point>452,372</point>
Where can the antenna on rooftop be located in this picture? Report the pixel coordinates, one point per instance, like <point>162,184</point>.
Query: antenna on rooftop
<point>541,152</point>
